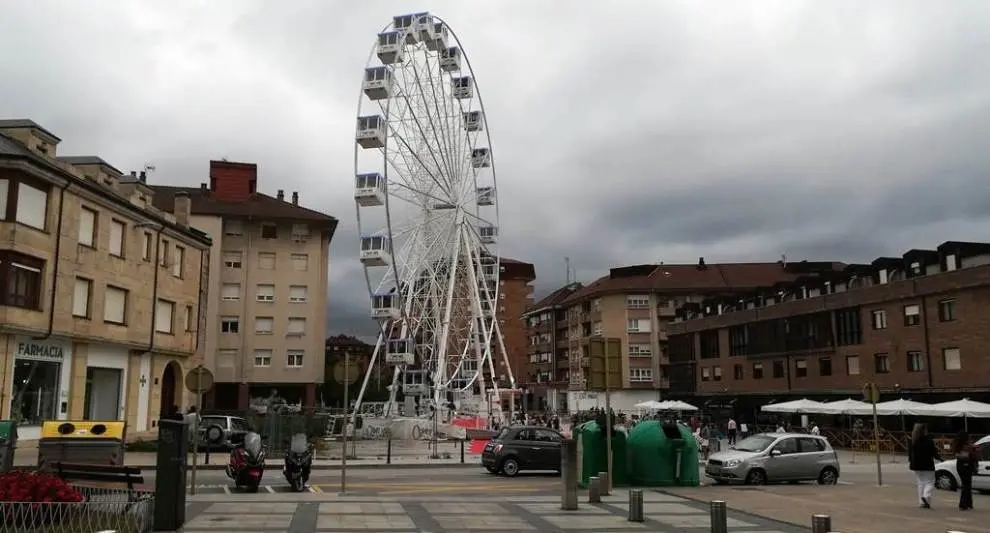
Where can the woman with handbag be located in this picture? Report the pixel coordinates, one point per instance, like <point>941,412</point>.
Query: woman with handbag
<point>967,460</point>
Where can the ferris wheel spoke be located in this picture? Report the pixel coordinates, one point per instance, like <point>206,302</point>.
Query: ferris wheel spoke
<point>409,114</point>
<point>442,118</point>
<point>410,152</point>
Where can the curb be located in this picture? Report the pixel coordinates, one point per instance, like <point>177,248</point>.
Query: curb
<point>223,466</point>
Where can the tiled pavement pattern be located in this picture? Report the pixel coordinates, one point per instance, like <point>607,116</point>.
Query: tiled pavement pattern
<point>335,513</point>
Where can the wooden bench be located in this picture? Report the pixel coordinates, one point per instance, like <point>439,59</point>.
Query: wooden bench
<point>123,475</point>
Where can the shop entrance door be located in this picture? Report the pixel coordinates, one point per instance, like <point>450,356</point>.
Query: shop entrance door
<point>103,393</point>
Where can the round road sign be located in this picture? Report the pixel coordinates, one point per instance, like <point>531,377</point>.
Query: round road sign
<point>199,380</point>
<point>871,394</point>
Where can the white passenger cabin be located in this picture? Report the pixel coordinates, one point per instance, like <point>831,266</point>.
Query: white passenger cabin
<point>390,51</point>
<point>481,158</point>
<point>414,382</point>
<point>486,195</point>
<point>371,131</point>
<point>400,352</point>
<point>401,23</point>
<point>488,234</point>
<point>450,59</point>
<point>486,308</point>
<point>463,87</point>
<point>473,120</point>
<point>377,82</point>
<point>369,189</point>
<point>435,35</point>
<point>375,251</point>
<point>385,306</point>
<point>489,271</point>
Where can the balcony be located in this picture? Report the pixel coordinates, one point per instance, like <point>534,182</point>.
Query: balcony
<point>667,311</point>
<point>541,327</point>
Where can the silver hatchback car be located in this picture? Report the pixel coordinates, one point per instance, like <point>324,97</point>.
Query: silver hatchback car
<point>775,457</point>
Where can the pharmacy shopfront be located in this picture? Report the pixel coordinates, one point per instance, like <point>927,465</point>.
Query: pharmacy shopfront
<point>39,382</point>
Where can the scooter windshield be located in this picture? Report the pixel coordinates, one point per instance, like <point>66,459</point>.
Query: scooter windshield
<point>299,444</point>
<point>252,444</point>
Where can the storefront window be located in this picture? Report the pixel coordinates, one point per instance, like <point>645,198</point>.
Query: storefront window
<point>35,397</point>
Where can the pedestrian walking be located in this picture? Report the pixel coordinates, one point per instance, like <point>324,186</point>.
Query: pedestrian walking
<point>731,430</point>
<point>921,461</point>
<point>967,461</point>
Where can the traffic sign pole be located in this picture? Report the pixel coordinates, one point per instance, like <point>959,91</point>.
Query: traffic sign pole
<point>198,381</point>
<point>872,394</point>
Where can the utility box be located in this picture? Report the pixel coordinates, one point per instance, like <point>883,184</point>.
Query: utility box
<point>8,444</point>
<point>82,441</point>
<point>593,454</point>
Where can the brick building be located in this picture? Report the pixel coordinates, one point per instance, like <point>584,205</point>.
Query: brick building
<point>546,375</point>
<point>916,325</point>
<point>515,296</point>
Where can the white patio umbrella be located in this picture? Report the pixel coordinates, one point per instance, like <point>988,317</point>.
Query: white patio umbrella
<point>845,407</point>
<point>677,405</point>
<point>898,407</point>
<point>801,406</point>
<point>965,408</point>
<point>650,405</point>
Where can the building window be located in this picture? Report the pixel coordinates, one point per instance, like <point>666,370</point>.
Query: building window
<point>915,362</point>
<point>164,316</point>
<point>952,358</point>
<point>640,375</point>
<point>36,397</point>
<point>146,241</point>
<point>946,310</point>
<point>188,319</point>
<point>738,372</point>
<point>20,276</point>
<point>180,259</point>
<point>848,328</point>
<point>824,366</point>
<point>300,232</point>
<point>226,358</point>
<point>264,325</point>
<point>778,369</point>
<point>82,293</point>
<point>31,206</point>
<point>800,368</point>
<point>232,259</point>
<point>757,370</point>
<point>298,294</point>
<point>640,350</point>
<point>852,365</point>
<point>709,344</point>
<point>294,358</point>
<point>262,358</point>
<point>880,319</point>
<point>266,293</point>
<point>738,340</point>
<point>163,248</point>
<point>87,227</point>
<point>596,328</point>
<point>117,233</point>
<point>297,326</point>
<point>115,305</point>
<point>717,373</point>
<point>300,262</point>
<point>233,228</point>
<point>881,363</point>
<point>706,373</point>
<point>230,292</point>
<point>269,231</point>
<point>230,324</point>
<point>912,315</point>
<point>266,261</point>
<point>638,325</point>
<point>638,302</point>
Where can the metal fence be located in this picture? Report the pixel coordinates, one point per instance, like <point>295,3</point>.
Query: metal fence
<point>103,509</point>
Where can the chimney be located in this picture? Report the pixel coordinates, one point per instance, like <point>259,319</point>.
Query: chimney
<point>295,198</point>
<point>143,177</point>
<point>182,209</point>
<point>133,174</point>
<point>280,195</point>
<point>202,188</point>
<point>701,264</point>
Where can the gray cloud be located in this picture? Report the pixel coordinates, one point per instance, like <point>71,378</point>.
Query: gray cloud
<point>641,133</point>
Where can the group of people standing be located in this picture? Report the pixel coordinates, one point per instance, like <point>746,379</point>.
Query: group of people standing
<point>924,454</point>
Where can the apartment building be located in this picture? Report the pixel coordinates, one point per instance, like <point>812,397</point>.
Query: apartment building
<point>101,307</point>
<point>338,371</point>
<point>546,375</point>
<point>915,325</point>
<point>266,319</point>
<point>635,304</point>
<point>515,296</point>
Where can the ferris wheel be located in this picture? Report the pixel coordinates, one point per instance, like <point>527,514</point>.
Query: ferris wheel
<point>427,213</point>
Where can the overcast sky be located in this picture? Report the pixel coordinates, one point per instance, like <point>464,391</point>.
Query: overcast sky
<point>624,132</point>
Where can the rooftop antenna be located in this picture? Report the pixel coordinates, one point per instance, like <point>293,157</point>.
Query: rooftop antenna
<point>567,266</point>
<point>149,167</point>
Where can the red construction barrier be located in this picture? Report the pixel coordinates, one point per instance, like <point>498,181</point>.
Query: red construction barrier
<point>477,446</point>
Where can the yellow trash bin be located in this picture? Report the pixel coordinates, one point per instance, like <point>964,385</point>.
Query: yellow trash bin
<point>82,441</point>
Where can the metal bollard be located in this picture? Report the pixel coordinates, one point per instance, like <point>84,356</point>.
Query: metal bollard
<point>636,505</point>
<point>568,475</point>
<point>719,517</point>
<point>388,451</point>
<point>462,451</point>
<point>605,483</point>
<point>821,523</point>
<point>594,490</point>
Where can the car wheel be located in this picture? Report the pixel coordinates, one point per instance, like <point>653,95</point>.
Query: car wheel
<point>829,476</point>
<point>756,477</point>
<point>510,467</point>
<point>945,481</point>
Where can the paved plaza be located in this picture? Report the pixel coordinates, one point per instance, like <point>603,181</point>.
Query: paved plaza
<point>305,513</point>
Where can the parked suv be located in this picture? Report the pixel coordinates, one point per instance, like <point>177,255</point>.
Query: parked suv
<point>519,448</point>
<point>774,457</point>
<point>217,430</point>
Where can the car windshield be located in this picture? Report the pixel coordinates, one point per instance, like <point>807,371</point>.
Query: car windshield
<point>299,443</point>
<point>756,443</point>
<point>501,434</point>
<point>252,443</point>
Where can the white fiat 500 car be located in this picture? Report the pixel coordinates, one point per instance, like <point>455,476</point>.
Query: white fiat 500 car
<point>946,477</point>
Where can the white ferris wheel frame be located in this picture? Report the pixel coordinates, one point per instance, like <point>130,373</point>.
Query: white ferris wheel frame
<point>403,268</point>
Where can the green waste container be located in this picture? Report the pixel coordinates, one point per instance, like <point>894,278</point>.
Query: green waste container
<point>662,455</point>
<point>593,454</point>
<point>8,443</point>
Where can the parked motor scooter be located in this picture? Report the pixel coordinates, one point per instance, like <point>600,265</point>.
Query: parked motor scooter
<point>247,462</point>
<point>298,462</point>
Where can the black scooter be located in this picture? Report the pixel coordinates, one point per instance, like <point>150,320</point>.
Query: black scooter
<point>298,462</point>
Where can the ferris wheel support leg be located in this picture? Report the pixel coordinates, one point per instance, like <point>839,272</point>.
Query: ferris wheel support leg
<point>487,333</point>
<point>396,373</point>
<point>367,377</point>
<point>441,358</point>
